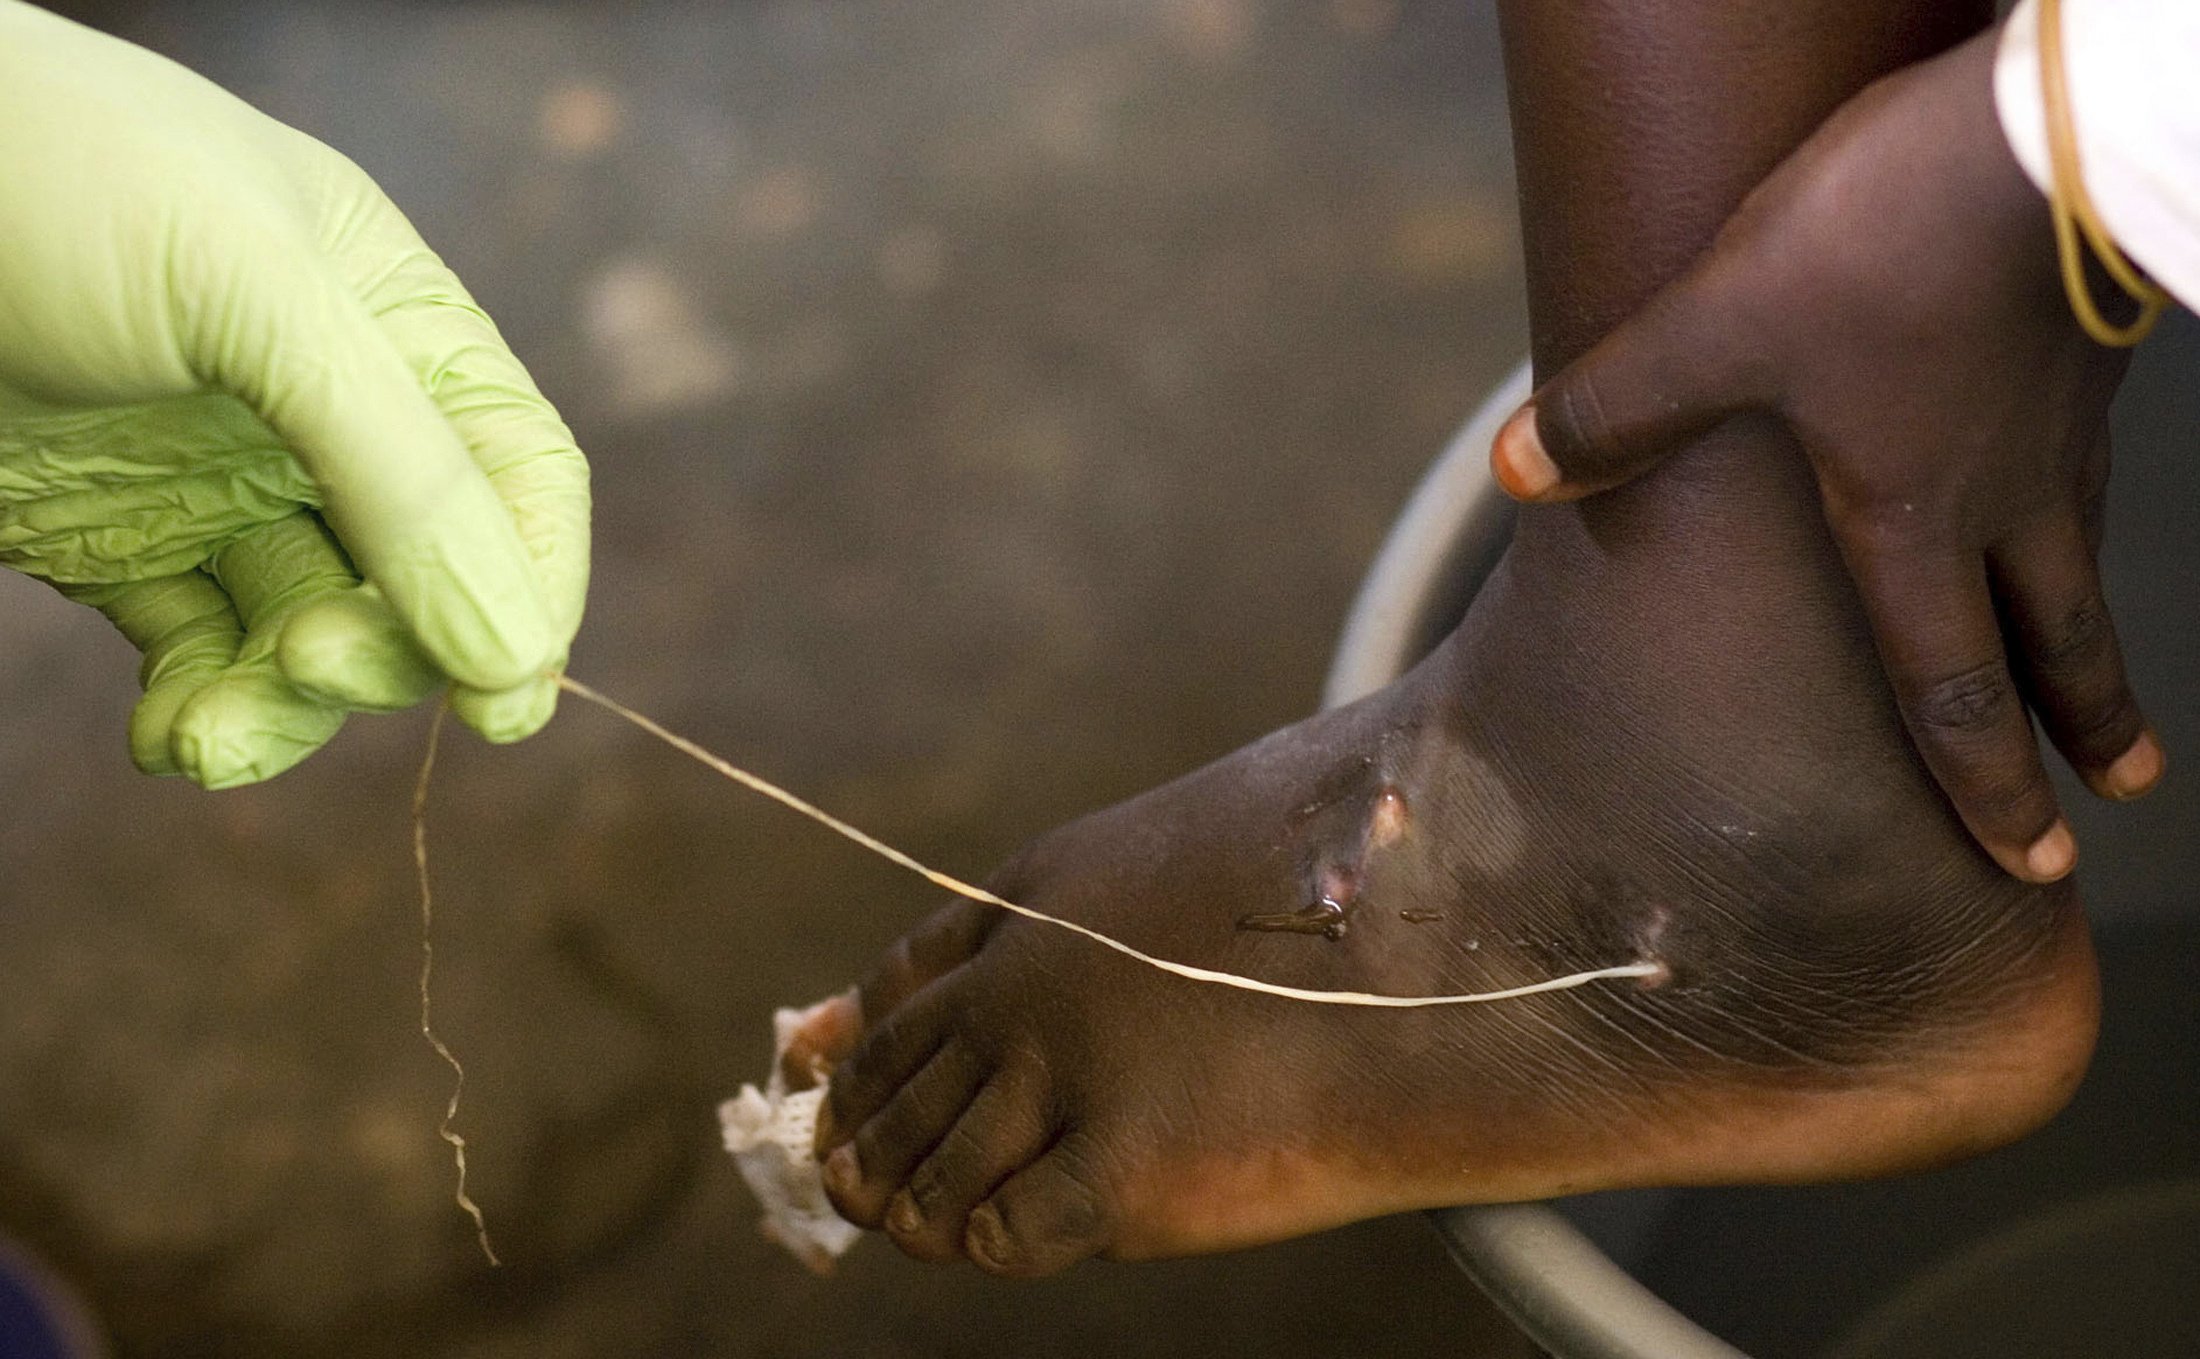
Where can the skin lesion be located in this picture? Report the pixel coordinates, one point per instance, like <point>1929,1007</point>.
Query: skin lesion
<point>1326,917</point>
<point>1335,881</point>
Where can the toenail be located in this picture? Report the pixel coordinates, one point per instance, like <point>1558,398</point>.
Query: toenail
<point>1522,466</point>
<point>2053,854</point>
<point>842,1174</point>
<point>986,1241</point>
<point>904,1218</point>
<point>2136,770</point>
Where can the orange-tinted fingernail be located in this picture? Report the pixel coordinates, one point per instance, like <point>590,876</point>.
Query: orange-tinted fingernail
<point>2137,770</point>
<point>2053,854</point>
<point>841,1171</point>
<point>1517,457</point>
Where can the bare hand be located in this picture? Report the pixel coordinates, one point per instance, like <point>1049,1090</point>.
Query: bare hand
<point>1891,292</point>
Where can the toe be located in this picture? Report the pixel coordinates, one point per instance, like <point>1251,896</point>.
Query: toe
<point>930,951</point>
<point>888,1054</point>
<point>1047,1217</point>
<point>863,1173</point>
<point>826,1033</point>
<point>1004,1128</point>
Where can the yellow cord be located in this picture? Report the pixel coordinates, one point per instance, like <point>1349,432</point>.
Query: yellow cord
<point>448,1133</point>
<point>1642,969</point>
<point>2073,208</point>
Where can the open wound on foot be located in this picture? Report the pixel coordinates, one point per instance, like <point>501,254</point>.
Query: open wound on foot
<point>1335,884</point>
<point>776,1156</point>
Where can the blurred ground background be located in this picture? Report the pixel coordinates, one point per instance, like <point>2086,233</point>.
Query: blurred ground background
<point>993,404</point>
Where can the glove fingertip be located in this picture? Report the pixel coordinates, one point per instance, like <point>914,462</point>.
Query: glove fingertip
<point>348,650</point>
<point>506,716</point>
<point>152,729</point>
<point>473,605</point>
<point>246,728</point>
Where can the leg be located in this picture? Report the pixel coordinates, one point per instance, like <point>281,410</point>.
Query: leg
<point>1659,732</point>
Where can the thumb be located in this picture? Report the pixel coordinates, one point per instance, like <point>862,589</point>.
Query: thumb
<point>1670,372</point>
<point>400,488</point>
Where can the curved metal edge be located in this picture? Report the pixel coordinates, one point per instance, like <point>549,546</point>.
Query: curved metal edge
<point>1457,509</point>
<point>1565,1293</point>
<point>1553,1282</point>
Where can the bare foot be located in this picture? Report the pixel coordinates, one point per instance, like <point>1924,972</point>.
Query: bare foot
<point>1677,749</point>
<point>1661,732</point>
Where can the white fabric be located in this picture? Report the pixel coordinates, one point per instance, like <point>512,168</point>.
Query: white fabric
<point>771,1133</point>
<point>2134,75</point>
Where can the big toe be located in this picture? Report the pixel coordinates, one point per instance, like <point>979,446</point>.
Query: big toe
<point>950,938</point>
<point>821,1037</point>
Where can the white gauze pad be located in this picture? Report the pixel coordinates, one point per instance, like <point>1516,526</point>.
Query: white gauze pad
<point>771,1133</point>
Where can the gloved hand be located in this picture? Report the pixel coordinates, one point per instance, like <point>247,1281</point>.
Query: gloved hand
<point>1891,292</point>
<point>234,385</point>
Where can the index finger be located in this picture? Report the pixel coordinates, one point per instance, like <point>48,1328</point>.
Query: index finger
<point>1941,643</point>
<point>509,428</point>
<point>401,489</point>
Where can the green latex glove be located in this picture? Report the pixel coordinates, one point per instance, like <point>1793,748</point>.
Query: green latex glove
<point>233,384</point>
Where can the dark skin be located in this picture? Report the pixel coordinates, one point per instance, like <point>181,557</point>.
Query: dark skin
<point>1660,734</point>
<point>1891,294</point>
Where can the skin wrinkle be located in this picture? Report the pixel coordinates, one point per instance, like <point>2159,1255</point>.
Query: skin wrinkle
<point>1754,1017</point>
<point>1636,1016</point>
<point>1487,819</point>
<point>1601,1058</point>
<point>1710,880</point>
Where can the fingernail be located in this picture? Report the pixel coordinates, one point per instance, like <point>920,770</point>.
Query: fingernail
<point>841,1171</point>
<point>2137,769</point>
<point>2053,854</point>
<point>1522,467</point>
